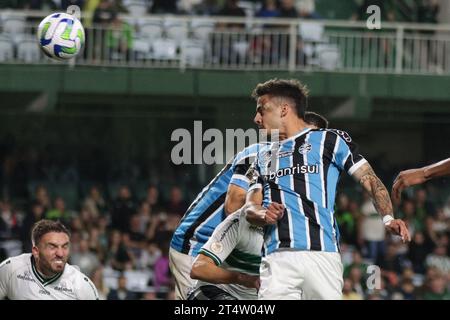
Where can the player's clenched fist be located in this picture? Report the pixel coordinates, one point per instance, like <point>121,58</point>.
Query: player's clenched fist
<point>274,212</point>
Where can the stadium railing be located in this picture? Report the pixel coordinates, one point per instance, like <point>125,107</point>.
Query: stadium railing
<point>163,41</point>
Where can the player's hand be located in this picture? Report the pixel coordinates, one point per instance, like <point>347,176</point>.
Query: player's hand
<point>398,227</point>
<point>405,179</point>
<point>249,281</point>
<point>274,212</point>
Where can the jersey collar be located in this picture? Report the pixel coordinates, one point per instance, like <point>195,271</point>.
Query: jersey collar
<point>44,281</point>
<point>298,134</point>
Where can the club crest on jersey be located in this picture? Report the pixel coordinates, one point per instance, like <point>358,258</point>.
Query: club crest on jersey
<point>216,247</point>
<point>305,148</point>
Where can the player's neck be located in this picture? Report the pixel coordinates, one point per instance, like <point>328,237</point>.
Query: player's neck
<point>42,273</point>
<point>293,127</point>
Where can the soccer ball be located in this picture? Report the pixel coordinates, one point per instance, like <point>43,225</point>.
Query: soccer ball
<point>61,36</point>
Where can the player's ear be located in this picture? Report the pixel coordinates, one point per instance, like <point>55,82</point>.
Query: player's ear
<point>284,109</point>
<point>35,251</point>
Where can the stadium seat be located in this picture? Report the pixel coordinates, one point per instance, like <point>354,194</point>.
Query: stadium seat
<point>312,31</point>
<point>27,49</point>
<point>136,8</point>
<point>141,48</point>
<point>193,53</point>
<point>176,30</point>
<point>328,56</point>
<point>201,28</point>
<point>6,48</point>
<point>165,49</point>
<point>151,29</point>
<point>14,25</point>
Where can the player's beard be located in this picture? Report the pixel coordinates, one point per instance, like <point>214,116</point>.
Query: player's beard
<point>51,267</point>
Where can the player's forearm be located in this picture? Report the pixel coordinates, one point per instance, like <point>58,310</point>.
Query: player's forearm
<point>255,215</point>
<point>376,189</point>
<point>439,169</point>
<point>234,203</point>
<point>211,273</point>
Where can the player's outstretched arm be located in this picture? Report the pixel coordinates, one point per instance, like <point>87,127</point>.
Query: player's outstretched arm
<point>234,199</point>
<point>256,214</point>
<point>380,197</point>
<point>412,177</point>
<point>206,270</point>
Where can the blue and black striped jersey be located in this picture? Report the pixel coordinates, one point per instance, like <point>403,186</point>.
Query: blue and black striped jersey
<point>207,210</point>
<point>302,173</point>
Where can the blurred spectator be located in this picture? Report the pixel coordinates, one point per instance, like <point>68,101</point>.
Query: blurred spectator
<point>176,203</point>
<point>407,290</point>
<point>67,3</point>
<point>307,9</point>
<point>40,5</point>
<point>149,256</point>
<point>427,11</point>
<point>418,252</point>
<point>287,9</point>
<point>231,9</point>
<point>119,39</point>
<point>42,197</point>
<point>162,276</point>
<point>164,6</point>
<point>357,262</point>
<point>144,217</point>
<point>207,8</point>
<point>348,293</point>
<point>372,230</point>
<point>439,259</point>
<point>392,262</point>
<point>86,260</point>
<point>408,214</point>
<point>436,289</point>
<point>122,210</point>
<point>424,207</point>
<point>187,6</point>
<point>356,277</point>
<point>269,9</point>
<point>59,212</point>
<point>346,220</point>
<point>118,255</point>
<point>95,203</point>
<point>9,224</point>
<point>35,214</point>
<point>121,293</point>
<point>153,199</point>
<point>97,279</point>
<point>105,13</point>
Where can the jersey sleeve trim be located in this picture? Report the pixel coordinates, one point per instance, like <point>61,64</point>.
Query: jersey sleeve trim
<point>356,166</point>
<point>211,255</point>
<point>255,186</point>
<point>240,181</point>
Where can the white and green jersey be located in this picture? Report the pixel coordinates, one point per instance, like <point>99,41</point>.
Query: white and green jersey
<point>235,245</point>
<point>19,280</point>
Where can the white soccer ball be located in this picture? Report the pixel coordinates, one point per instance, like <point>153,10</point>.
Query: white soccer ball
<point>61,36</point>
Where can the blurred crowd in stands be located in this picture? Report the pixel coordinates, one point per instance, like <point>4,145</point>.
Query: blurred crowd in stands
<point>413,11</point>
<point>120,238</point>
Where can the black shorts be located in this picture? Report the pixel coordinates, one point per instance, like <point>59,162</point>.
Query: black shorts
<point>210,292</point>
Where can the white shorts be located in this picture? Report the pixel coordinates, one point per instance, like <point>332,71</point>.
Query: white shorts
<point>301,275</point>
<point>180,265</point>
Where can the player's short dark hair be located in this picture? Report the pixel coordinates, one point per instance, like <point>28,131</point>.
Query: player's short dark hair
<point>316,119</point>
<point>43,227</point>
<point>291,88</point>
